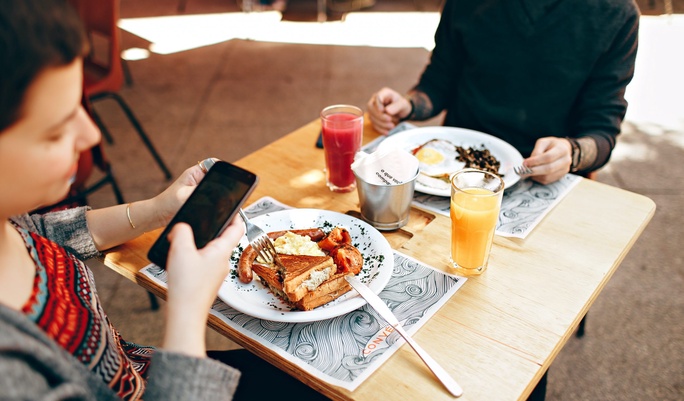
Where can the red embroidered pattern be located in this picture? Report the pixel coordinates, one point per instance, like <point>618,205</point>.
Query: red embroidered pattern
<point>64,304</point>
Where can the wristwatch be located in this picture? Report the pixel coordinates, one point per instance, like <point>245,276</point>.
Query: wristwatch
<point>576,154</point>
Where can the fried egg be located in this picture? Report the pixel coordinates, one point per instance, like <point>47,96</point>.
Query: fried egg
<point>438,158</point>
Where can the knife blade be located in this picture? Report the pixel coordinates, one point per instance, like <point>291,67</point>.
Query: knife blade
<point>385,312</point>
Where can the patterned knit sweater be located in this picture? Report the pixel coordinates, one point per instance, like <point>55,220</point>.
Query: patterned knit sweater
<point>64,305</point>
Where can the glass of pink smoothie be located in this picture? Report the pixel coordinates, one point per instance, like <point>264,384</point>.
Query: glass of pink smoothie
<point>342,127</point>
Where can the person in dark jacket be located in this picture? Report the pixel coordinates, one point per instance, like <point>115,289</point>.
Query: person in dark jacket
<point>546,76</point>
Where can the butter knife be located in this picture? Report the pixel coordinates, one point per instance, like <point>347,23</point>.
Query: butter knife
<point>385,312</point>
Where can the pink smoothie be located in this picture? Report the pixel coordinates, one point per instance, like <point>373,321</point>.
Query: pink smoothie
<point>342,134</point>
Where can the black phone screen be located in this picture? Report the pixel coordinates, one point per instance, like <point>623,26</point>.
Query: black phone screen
<point>209,208</point>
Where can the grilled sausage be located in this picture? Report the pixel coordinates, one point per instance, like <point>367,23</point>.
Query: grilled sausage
<point>244,266</point>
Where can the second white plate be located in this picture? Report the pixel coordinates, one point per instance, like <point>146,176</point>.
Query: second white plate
<point>502,150</point>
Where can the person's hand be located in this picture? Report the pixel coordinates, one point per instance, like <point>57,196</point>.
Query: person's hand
<point>550,159</point>
<point>194,278</point>
<point>168,202</point>
<point>386,108</point>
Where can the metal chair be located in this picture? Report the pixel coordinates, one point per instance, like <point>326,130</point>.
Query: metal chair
<point>104,74</point>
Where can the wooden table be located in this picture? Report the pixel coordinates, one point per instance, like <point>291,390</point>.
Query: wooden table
<point>501,331</point>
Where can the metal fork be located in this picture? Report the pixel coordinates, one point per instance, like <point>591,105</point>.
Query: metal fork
<point>259,241</point>
<point>522,170</point>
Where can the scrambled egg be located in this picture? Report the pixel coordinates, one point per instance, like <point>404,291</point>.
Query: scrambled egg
<point>294,244</point>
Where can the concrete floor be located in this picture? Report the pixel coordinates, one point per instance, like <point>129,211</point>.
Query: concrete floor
<point>231,97</point>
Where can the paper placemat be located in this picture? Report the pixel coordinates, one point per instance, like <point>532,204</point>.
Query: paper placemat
<point>362,340</point>
<point>522,208</point>
<point>524,205</point>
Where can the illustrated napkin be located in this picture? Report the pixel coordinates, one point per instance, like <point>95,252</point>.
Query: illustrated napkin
<point>389,166</point>
<point>363,341</point>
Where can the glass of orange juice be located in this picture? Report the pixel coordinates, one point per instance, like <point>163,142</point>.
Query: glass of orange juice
<point>475,203</point>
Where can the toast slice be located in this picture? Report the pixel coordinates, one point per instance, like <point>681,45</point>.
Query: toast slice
<point>327,291</point>
<point>270,277</point>
<point>301,274</point>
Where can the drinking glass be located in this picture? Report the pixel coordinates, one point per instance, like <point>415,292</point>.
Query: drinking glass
<point>342,128</point>
<point>475,204</point>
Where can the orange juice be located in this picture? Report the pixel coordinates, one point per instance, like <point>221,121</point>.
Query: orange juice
<point>474,214</point>
<point>475,203</point>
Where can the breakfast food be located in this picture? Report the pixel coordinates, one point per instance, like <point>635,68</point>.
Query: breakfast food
<point>479,158</point>
<point>310,269</point>
<point>439,159</point>
<point>249,254</point>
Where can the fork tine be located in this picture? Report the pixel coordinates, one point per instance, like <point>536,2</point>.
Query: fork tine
<point>259,241</point>
<point>263,245</point>
<point>522,170</point>
<point>272,250</point>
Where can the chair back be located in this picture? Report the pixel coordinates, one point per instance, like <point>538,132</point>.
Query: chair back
<point>102,68</point>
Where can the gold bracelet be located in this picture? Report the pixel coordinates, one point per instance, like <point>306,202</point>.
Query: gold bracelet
<point>128,213</point>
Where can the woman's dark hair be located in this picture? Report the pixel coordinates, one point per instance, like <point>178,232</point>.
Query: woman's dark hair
<point>34,35</point>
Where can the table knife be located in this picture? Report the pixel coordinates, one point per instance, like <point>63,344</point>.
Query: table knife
<point>385,312</point>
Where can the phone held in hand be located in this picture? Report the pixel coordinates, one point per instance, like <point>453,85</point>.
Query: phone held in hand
<point>210,207</point>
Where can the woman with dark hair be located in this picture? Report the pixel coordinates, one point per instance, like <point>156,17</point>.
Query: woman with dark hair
<point>55,340</point>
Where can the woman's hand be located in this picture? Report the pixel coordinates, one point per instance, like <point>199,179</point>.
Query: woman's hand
<point>168,202</point>
<point>194,278</point>
<point>386,108</point>
<point>550,159</point>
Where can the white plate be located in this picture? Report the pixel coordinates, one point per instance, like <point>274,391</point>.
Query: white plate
<point>412,138</point>
<point>256,300</point>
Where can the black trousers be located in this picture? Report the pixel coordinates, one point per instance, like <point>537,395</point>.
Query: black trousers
<point>262,381</point>
<point>539,392</point>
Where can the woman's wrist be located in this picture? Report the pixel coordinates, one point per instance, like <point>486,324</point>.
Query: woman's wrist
<point>186,323</point>
<point>161,214</point>
<point>184,338</point>
<point>144,215</point>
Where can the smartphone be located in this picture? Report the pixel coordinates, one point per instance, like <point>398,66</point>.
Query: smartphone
<point>210,207</point>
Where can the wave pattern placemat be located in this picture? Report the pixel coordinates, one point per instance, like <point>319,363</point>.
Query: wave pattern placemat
<point>522,208</point>
<point>346,350</point>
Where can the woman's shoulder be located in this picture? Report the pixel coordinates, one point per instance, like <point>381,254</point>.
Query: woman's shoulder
<point>67,228</point>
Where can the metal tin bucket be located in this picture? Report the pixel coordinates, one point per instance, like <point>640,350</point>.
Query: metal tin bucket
<point>386,207</point>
